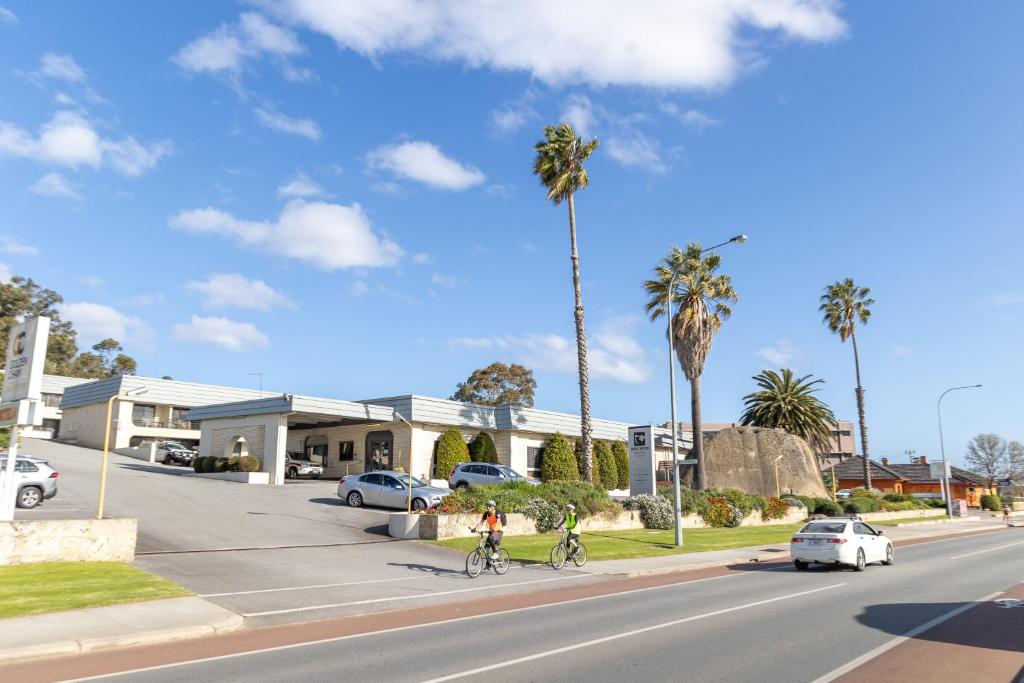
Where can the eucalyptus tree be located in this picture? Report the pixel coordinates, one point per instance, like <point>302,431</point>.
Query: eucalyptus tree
<point>559,164</point>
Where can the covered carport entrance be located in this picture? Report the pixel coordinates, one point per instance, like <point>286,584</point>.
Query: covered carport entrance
<point>344,436</point>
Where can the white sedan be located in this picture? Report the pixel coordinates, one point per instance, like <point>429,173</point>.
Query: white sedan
<point>841,541</point>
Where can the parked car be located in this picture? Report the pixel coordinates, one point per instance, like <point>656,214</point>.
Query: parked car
<point>388,489</point>
<point>299,465</point>
<point>37,481</point>
<point>843,493</point>
<point>174,453</point>
<point>479,474</point>
<point>840,541</point>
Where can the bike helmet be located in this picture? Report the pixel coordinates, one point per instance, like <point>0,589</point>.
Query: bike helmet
<point>570,507</point>
<point>491,504</point>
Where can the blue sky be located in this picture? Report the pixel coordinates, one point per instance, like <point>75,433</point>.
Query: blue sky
<point>339,196</point>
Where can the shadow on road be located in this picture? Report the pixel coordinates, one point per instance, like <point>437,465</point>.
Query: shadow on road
<point>988,626</point>
<point>158,469</point>
<point>427,569</point>
<point>332,502</point>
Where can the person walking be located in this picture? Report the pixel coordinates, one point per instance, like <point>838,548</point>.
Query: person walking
<point>1006,513</point>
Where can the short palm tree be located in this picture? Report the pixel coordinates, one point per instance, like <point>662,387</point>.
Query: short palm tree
<point>783,401</point>
<point>702,298</point>
<point>559,165</point>
<point>843,305</point>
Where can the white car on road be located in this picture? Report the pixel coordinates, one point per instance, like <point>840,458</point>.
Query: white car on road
<point>841,541</point>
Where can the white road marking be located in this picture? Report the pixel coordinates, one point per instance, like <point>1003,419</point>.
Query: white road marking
<point>303,588</point>
<point>422,596</point>
<point>411,627</point>
<point>987,550</point>
<point>626,634</point>
<point>885,647</point>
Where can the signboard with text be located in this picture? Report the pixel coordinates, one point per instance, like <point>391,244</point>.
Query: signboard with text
<point>641,460</point>
<point>936,469</point>
<point>26,356</point>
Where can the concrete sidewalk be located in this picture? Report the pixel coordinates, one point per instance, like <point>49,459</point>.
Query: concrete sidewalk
<point>779,552</point>
<point>74,632</point>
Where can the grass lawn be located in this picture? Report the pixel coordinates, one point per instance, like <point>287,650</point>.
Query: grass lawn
<point>38,588</point>
<point>623,545</point>
<point>908,520</point>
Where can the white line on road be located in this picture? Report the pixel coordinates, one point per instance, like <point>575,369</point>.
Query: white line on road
<point>303,588</point>
<point>987,550</point>
<point>885,647</point>
<point>421,596</point>
<point>626,634</point>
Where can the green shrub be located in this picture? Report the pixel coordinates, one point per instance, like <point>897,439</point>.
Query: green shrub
<point>856,505</point>
<point>544,513</point>
<point>517,496</point>
<point>991,501</point>
<point>481,449</point>
<point>898,497</point>
<point>559,462</point>
<point>249,463</point>
<point>775,509</point>
<point>588,499</point>
<point>197,464</point>
<point>809,503</point>
<point>655,511</point>
<point>233,463</point>
<point>222,465</point>
<point>208,465</point>
<point>865,493</point>
<point>889,506</point>
<point>621,454</point>
<point>609,472</point>
<point>451,450</point>
<point>827,507</point>
<point>722,513</point>
<point>743,502</point>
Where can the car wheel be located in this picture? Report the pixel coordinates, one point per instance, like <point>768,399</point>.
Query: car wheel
<point>801,565</point>
<point>355,499</point>
<point>890,555</point>
<point>29,497</point>
<point>419,504</point>
<point>292,473</point>
<point>861,563</point>
<point>461,485</point>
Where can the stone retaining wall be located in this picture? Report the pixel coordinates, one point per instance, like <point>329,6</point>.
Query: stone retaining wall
<point>67,540</point>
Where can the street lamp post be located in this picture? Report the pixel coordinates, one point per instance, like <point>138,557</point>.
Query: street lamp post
<point>677,494</point>
<point>942,446</point>
<point>778,486</point>
<point>106,445</point>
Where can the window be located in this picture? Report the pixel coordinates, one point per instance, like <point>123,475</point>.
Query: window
<point>346,451</point>
<point>178,420</point>
<point>489,471</point>
<point>534,457</point>
<point>143,415</point>
<point>391,483</point>
<point>372,479</point>
<point>239,448</point>
<point>51,400</point>
<point>25,466</point>
<point>824,528</point>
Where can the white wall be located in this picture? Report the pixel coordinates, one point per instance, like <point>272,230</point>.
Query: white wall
<point>275,430</point>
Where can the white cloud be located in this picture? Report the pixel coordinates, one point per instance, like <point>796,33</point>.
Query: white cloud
<point>690,118</point>
<point>95,322</point>
<point>7,16</point>
<point>11,246</point>
<point>501,190</point>
<point>53,184</point>
<point>636,150</point>
<point>424,163</point>
<point>509,119</point>
<point>359,288</point>
<point>61,67</point>
<point>612,353</point>
<point>275,120</point>
<point>447,281</point>
<point>228,334</point>
<point>330,236</point>
<point>70,140</point>
<point>5,273</point>
<point>781,355</point>
<point>700,44</point>
<point>580,114</point>
<point>64,99</point>
<point>422,258</point>
<point>226,290</point>
<point>227,49</point>
<point>387,187</point>
<point>95,282</point>
<point>300,185</point>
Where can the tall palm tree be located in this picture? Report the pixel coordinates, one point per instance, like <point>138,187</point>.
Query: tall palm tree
<point>702,298</point>
<point>787,402</point>
<point>559,165</point>
<point>843,305</point>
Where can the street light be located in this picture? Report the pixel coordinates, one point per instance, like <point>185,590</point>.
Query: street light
<point>942,446</point>
<point>778,488</point>
<point>106,445</point>
<point>738,239</point>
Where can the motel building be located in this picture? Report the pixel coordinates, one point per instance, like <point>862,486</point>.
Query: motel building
<point>346,437</point>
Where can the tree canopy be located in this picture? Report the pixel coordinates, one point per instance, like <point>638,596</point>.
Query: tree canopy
<point>786,402</point>
<point>498,384</point>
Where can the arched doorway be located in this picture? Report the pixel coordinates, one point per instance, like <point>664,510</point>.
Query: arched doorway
<point>379,451</point>
<point>236,447</point>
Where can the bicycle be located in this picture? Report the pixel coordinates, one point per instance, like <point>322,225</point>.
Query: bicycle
<point>560,553</point>
<point>479,559</point>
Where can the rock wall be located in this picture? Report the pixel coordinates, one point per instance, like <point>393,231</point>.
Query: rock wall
<point>67,540</point>
<point>744,458</point>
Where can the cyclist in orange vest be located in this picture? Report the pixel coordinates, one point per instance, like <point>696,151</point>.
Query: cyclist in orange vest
<point>496,522</point>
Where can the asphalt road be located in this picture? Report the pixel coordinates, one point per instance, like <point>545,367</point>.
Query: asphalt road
<point>766,624</point>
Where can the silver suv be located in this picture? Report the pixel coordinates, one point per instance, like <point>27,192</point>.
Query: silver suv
<point>299,465</point>
<point>37,481</point>
<point>481,474</point>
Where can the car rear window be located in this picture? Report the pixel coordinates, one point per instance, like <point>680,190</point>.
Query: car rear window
<point>824,528</point>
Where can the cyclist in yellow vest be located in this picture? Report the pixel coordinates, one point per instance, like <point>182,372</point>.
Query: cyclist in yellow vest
<point>571,524</point>
<point>495,520</point>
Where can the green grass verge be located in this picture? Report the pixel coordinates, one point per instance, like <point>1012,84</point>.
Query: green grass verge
<point>624,545</point>
<point>908,520</point>
<point>39,588</point>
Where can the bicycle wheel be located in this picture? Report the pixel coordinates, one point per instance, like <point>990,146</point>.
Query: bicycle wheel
<point>558,556</point>
<point>475,564</point>
<point>501,564</point>
<point>580,558</point>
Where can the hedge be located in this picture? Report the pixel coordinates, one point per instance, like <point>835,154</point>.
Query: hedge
<point>991,501</point>
<point>609,473</point>
<point>481,449</point>
<point>559,461</point>
<point>451,450</point>
<point>621,454</point>
<point>519,496</point>
<point>249,463</point>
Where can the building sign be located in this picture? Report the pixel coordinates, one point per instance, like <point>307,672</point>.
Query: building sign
<point>26,356</point>
<point>936,469</point>
<point>641,460</point>
<point>15,413</point>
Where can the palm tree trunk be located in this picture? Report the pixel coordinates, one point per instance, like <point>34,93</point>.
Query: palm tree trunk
<point>860,415</point>
<point>581,349</point>
<point>698,432</point>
